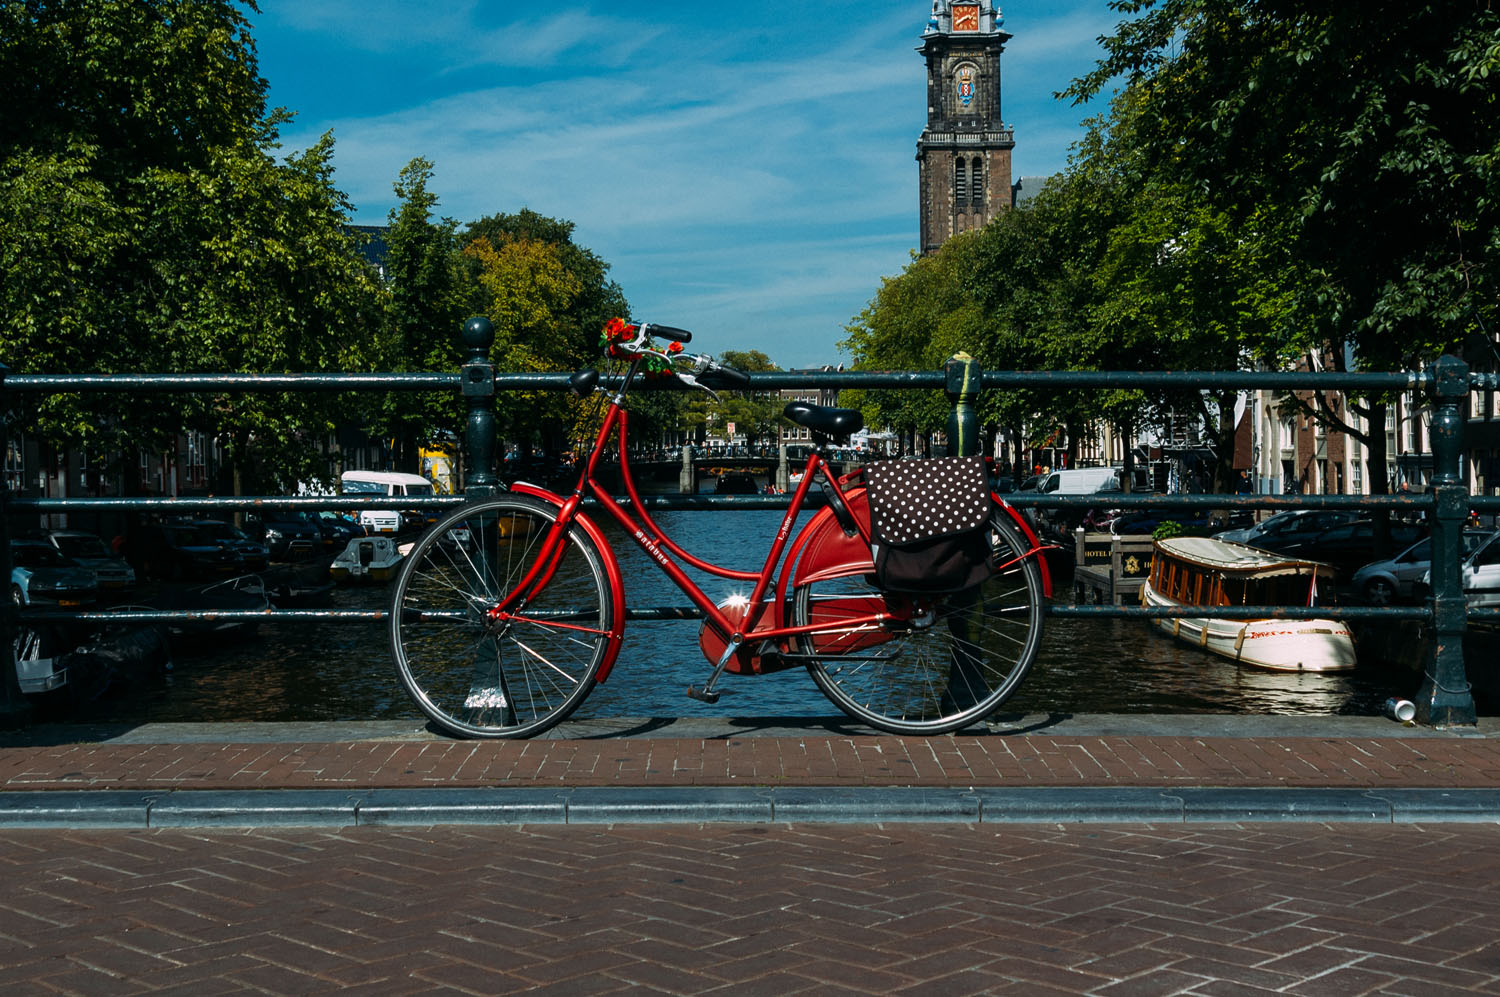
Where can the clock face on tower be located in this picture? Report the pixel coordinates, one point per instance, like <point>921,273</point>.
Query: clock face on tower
<point>965,17</point>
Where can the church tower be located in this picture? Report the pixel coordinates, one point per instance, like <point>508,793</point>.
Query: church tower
<point>963,155</point>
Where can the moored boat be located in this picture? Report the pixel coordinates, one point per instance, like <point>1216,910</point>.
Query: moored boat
<point>1198,571</point>
<point>367,559</point>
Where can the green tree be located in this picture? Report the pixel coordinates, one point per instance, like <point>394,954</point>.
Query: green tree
<point>1352,147</point>
<point>428,299</point>
<point>757,414</point>
<point>907,326</point>
<point>549,299</point>
<point>146,225</point>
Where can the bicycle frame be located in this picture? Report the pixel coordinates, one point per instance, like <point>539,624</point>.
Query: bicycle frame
<point>748,619</point>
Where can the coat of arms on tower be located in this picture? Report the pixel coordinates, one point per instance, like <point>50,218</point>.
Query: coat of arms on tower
<point>966,85</point>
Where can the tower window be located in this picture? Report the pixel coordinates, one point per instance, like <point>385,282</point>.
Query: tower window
<point>960,183</point>
<point>976,183</point>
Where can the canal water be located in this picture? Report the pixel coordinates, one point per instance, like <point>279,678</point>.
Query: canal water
<point>342,671</point>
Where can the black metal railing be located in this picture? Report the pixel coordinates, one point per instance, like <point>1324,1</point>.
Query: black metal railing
<point>1444,699</point>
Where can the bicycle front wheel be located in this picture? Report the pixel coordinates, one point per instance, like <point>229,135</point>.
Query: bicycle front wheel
<point>948,662</point>
<point>477,677</point>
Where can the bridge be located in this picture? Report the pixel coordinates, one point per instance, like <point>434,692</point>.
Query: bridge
<point>693,472</point>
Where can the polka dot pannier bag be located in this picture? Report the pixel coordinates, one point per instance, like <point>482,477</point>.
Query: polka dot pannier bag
<point>927,523</point>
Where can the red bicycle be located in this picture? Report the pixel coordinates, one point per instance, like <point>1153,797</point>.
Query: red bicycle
<point>509,610</point>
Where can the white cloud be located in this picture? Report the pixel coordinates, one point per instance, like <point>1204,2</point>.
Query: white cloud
<point>749,174</point>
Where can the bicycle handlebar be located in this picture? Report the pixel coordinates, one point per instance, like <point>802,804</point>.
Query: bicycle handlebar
<point>666,332</point>
<point>625,340</point>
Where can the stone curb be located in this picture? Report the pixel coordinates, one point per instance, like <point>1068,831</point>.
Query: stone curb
<point>336,808</point>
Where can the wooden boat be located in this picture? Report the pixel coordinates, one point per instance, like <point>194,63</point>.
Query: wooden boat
<point>367,559</point>
<point>1198,571</point>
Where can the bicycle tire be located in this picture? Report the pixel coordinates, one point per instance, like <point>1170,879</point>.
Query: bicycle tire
<point>942,674</point>
<point>478,679</point>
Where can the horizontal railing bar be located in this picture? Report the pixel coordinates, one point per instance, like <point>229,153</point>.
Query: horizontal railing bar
<point>772,380</point>
<point>108,383</point>
<point>669,613</point>
<point>1135,500</point>
<point>1414,502</point>
<point>1246,612</point>
<point>176,506</point>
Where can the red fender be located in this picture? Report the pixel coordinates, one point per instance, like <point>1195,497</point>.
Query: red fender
<point>822,550</point>
<point>611,570</point>
<point>1037,547</point>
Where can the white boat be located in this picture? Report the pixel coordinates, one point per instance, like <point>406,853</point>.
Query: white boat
<point>367,559</point>
<point>1197,571</point>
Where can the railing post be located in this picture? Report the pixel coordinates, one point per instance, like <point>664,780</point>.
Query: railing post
<point>479,392</point>
<point>14,710</point>
<point>1445,699</point>
<point>964,379</point>
<point>687,479</point>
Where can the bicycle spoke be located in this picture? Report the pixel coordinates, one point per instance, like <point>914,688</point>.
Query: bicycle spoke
<point>953,664</point>
<point>521,673</point>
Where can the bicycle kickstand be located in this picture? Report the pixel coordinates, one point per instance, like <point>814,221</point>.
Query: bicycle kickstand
<point>708,694</point>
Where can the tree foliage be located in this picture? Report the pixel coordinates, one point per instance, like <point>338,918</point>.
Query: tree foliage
<point>427,300</point>
<point>548,298</point>
<point>147,225</point>
<point>1271,180</point>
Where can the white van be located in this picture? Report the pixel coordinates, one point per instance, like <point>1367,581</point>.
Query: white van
<point>387,483</point>
<point>1081,481</point>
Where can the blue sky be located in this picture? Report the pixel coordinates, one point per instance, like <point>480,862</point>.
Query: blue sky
<point>747,169</point>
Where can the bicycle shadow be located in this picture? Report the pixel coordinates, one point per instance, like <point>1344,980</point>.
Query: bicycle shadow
<point>721,728</point>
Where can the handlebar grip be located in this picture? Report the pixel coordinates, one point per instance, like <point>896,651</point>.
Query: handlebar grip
<point>667,332</point>
<point>730,377</point>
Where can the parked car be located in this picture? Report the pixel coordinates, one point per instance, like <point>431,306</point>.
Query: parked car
<point>41,576</point>
<point>335,530</point>
<point>1289,526</point>
<point>113,572</point>
<point>257,556</point>
<point>1381,583</point>
<point>1481,574</point>
<point>346,526</point>
<point>1346,546</point>
<point>182,550</point>
<point>286,535</point>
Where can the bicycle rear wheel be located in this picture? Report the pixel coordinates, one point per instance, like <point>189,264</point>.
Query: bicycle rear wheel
<point>954,660</point>
<point>476,677</point>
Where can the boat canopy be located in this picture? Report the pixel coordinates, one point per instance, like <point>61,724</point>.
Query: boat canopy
<point>1236,558</point>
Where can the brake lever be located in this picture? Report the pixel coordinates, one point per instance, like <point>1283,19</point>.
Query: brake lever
<point>692,381</point>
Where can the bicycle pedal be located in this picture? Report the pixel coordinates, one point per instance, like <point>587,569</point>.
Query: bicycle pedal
<point>703,695</point>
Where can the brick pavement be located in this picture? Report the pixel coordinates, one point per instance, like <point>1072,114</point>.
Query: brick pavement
<point>1207,910</point>
<point>1115,911</point>
<point>803,760</point>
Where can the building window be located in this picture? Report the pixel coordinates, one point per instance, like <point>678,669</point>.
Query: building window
<point>197,461</point>
<point>1357,475</point>
<point>15,468</point>
<point>960,183</point>
<point>976,183</point>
